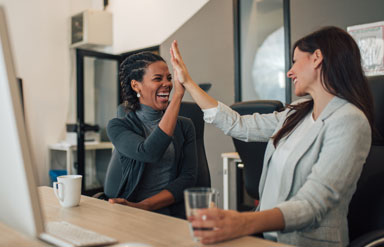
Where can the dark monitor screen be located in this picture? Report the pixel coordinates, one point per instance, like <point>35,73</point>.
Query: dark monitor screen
<point>20,83</point>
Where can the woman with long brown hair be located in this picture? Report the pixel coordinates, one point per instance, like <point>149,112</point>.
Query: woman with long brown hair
<point>312,162</point>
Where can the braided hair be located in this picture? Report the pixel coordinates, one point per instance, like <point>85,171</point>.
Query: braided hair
<point>134,68</point>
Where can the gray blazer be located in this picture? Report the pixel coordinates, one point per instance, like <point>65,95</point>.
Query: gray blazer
<point>320,177</point>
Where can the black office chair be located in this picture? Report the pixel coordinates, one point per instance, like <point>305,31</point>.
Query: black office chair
<point>187,109</point>
<point>114,170</point>
<point>371,239</point>
<point>252,153</point>
<point>366,210</point>
<point>192,110</point>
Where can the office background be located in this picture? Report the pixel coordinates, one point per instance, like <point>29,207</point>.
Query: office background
<point>40,37</point>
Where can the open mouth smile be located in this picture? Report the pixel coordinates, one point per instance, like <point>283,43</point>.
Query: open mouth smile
<point>163,96</point>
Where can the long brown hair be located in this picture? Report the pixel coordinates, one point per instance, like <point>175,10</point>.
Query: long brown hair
<point>341,75</point>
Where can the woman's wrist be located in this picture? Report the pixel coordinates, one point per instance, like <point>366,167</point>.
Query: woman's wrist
<point>190,84</point>
<point>251,223</point>
<point>177,97</point>
<point>146,205</point>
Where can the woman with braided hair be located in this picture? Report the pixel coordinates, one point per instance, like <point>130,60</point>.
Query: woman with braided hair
<point>156,148</point>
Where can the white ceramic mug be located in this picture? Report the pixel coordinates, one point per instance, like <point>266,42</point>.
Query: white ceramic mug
<point>68,190</point>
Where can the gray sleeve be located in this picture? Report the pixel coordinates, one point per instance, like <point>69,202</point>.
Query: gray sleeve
<point>255,127</point>
<point>188,173</point>
<point>145,149</point>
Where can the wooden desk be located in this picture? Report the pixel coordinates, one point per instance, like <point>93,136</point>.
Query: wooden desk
<point>10,237</point>
<point>128,224</point>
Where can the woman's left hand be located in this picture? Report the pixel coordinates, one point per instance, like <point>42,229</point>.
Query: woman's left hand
<point>226,224</point>
<point>128,203</point>
<point>179,88</point>
<point>178,64</point>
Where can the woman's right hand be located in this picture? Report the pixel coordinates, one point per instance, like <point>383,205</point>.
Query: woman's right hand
<point>230,224</point>
<point>225,225</point>
<point>181,74</point>
<point>123,201</point>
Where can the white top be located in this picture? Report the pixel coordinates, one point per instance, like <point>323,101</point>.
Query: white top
<point>276,166</point>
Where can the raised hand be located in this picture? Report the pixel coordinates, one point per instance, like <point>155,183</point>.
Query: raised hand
<point>178,64</point>
<point>178,87</point>
<point>181,74</point>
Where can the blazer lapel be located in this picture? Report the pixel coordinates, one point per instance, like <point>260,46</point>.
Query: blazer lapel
<point>294,158</point>
<point>305,144</point>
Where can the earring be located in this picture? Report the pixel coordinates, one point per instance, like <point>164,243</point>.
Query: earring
<point>138,95</point>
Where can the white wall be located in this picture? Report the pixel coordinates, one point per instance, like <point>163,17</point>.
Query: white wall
<point>146,23</point>
<point>206,44</point>
<point>42,61</point>
<point>39,32</point>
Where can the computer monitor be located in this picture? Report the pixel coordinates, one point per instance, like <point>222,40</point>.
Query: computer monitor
<point>19,207</point>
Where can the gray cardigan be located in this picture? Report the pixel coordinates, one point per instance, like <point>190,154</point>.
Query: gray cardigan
<point>322,174</point>
<point>135,150</point>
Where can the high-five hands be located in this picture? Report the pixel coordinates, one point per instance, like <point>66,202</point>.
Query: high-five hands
<point>179,88</point>
<point>182,75</point>
<point>179,67</point>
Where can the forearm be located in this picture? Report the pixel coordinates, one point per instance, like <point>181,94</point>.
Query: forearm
<point>230,224</point>
<point>263,221</point>
<point>148,149</point>
<point>168,122</point>
<point>204,100</point>
<point>163,199</point>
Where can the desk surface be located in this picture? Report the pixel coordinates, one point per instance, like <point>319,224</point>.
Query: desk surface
<point>10,237</point>
<point>62,146</point>
<point>230,155</point>
<point>123,223</point>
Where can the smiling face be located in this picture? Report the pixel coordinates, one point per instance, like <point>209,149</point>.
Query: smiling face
<point>155,87</point>
<point>303,72</point>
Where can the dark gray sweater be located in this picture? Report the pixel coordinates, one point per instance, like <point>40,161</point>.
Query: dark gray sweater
<point>136,150</point>
<point>164,170</point>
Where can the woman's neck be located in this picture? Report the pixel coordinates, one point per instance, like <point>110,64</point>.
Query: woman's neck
<point>320,101</point>
<point>148,114</point>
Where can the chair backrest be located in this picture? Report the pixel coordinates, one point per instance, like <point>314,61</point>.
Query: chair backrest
<point>192,110</point>
<point>366,210</point>
<point>252,153</point>
<point>371,239</point>
<point>187,109</point>
<point>114,170</point>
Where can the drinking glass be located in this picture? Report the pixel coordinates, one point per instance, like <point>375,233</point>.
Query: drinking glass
<point>199,198</point>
